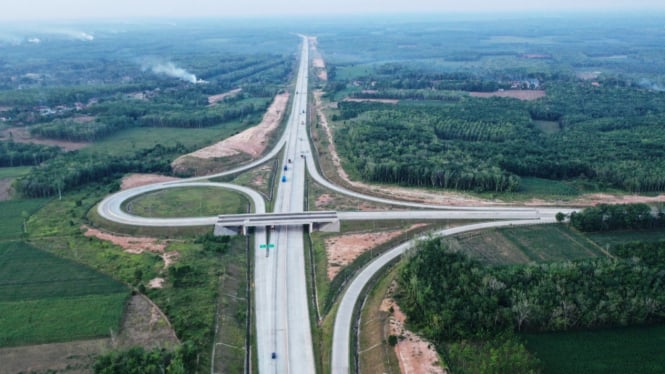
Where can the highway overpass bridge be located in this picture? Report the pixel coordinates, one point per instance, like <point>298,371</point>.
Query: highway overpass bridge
<point>329,221</point>
<point>234,224</point>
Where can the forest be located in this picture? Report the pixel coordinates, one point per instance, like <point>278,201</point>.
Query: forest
<point>605,135</point>
<point>453,299</point>
<point>66,90</point>
<point>595,113</point>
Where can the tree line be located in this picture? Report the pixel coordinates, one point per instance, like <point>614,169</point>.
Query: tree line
<point>457,302</point>
<point>74,169</point>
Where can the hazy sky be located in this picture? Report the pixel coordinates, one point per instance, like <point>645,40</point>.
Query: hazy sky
<point>78,9</point>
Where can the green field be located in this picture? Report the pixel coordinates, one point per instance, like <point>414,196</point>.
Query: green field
<point>610,238</point>
<point>621,350</point>
<point>14,172</point>
<point>551,188</point>
<point>12,214</point>
<point>44,298</point>
<point>540,243</point>
<point>187,202</point>
<point>134,139</point>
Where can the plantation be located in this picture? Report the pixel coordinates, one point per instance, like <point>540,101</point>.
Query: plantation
<point>44,298</point>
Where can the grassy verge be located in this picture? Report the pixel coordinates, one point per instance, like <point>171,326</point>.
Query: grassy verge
<point>375,354</point>
<point>620,350</point>
<point>187,202</point>
<point>230,335</point>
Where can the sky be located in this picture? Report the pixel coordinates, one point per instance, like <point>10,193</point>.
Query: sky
<point>37,10</point>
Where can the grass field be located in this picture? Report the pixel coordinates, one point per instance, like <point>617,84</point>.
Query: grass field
<point>134,139</point>
<point>14,172</point>
<point>513,245</point>
<point>12,214</point>
<point>621,350</point>
<point>606,239</point>
<point>187,202</point>
<point>44,298</point>
<point>550,188</point>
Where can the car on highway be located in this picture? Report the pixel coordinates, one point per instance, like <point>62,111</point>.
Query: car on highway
<point>274,355</point>
<point>283,178</point>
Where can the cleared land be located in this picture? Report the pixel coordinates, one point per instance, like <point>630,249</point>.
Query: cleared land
<point>187,202</point>
<point>519,245</point>
<point>44,298</point>
<point>515,94</point>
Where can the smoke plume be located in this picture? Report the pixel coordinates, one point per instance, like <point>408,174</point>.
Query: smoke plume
<point>172,71</point>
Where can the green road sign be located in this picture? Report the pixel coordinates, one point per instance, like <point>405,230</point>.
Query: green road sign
<point>271,246</point>
<point>266,246</point>
<point>262,246</point>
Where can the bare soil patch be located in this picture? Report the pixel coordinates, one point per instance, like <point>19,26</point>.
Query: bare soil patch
<point>214,99</point>
<point>342,250</point>
<point>136,180</point>
<point>69,357</point>
<point>145,325</point>
<point>22,135</point>
<point>252,141</point>
<point>385,101</point>
<point>318,63</point>
<point>515,94</point>
<point>415,354</point>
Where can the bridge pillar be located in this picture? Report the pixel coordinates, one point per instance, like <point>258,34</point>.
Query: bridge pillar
<point>228,230</point>
<point>328,226</point>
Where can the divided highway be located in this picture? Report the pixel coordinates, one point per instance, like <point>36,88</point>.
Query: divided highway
<point>284,343</point>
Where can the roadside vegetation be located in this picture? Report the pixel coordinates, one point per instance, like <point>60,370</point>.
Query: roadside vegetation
<point>500,315</point>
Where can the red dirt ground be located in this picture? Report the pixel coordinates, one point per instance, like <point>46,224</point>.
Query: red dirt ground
<point>385,101</point>
<point>214,99</point>
<point>136,180</point>
<point>252,141</point>
<point>415,354</point>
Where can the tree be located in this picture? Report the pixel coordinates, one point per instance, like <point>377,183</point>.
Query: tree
<point>560,217</point>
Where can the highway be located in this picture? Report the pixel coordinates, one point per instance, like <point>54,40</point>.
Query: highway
<point>286,331</point>
<point>281,303</point>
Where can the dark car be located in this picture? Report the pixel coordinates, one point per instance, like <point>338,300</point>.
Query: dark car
<point>274,355</point>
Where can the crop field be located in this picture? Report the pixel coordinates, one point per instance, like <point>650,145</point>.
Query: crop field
<point>188,202</point>
<point>606,239</point>
<point>622,350</point>
<point>44,298</point>
<point>540,243</point>
<point>12,214</point>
